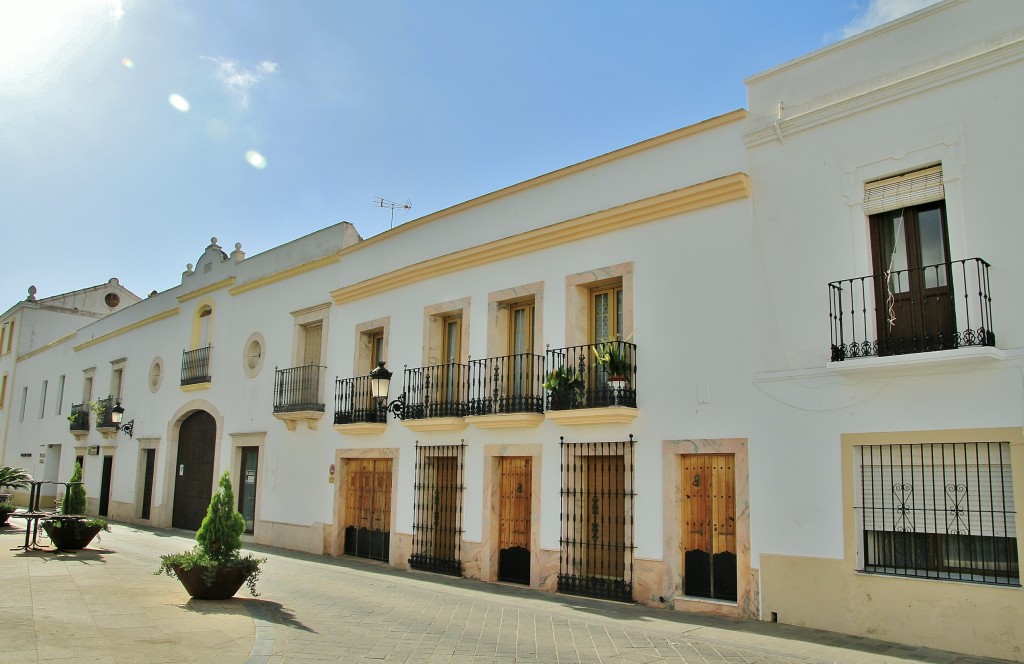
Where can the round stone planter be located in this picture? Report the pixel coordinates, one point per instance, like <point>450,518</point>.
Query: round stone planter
<point>69,534</point>
<point>226,581</point>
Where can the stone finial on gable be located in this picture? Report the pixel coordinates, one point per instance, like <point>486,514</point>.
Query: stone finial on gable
<point>238,255</point>
<point>31,294</point>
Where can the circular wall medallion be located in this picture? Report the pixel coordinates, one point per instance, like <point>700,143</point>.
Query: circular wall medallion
<point>252,354</point>
<point>112,299</point>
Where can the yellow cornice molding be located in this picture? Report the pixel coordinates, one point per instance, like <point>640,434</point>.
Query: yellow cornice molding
<point>739,115</point>
<point>284,274</point>
<point>55,342</point>
<point>223,283</point>
<point>323,306</point>
<point>706,194</point>
<point>128,328</point>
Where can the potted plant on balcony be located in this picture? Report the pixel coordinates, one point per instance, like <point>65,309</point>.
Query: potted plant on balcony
<point>69,530</point>
<point>613,359</point>
<point>214,569</point>
<point>565,387</point>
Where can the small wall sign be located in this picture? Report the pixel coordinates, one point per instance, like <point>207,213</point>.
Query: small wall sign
<point>331,478</point>
<point>94,450</point>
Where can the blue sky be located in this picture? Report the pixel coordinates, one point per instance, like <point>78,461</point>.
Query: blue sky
<point>131,132</point>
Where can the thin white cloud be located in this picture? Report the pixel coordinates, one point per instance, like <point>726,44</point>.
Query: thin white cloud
<point>878,12</point>
<point>238,80</point>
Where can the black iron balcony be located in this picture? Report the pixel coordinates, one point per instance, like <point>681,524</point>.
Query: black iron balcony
<point>937,307</point>
<point>354,402</point>
<point>104,409</point>
<point>195,366</point>
<point>509,384</point>
<point>591,376</point>
<point>79,417</point>
<point>298,389</point>
<point>437,391</point>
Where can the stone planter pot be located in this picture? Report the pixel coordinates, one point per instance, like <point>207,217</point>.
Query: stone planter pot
<point>226,581</point>
<point>69,534</point>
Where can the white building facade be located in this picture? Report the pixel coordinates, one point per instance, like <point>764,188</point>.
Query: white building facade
<point>717,438</point>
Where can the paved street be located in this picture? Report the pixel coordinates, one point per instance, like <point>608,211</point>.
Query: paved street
<point>105,604</point>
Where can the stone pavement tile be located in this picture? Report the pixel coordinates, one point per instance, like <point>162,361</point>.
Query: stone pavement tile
<point>14,655</point>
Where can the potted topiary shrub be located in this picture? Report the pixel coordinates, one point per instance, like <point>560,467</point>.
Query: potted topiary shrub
<point>214,568</point>
<point>70,530</point>
<point>6,509</point>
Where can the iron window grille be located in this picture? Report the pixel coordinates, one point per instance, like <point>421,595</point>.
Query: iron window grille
<point>584,382</point>
<point>104,419</point>
<point>596,558</point>
<point>507,384</point>
<point>938,511</point>
<point>436,391</point>
<point>437,509</point>
<point>79,417</point>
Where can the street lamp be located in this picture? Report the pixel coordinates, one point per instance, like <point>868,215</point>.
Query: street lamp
<point>116,415</point>
<point>380,382</point>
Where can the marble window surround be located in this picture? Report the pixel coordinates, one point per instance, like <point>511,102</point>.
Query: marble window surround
<point>364,336</point>
<point>433,330</point>
<point>498,305</point>
<point>577,300</point>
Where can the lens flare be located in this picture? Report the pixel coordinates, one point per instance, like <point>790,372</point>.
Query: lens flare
<point>179,103</point>
<point>255,159</point>
<point>127,62</point>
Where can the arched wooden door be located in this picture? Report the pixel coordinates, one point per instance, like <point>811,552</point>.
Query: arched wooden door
<point>193,472</point>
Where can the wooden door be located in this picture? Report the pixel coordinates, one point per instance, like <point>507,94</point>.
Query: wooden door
<point>913,294</point>
<point>519,382</point>
<point>514,516</point>
<point>605,510</point>
<point>312,340</point>
<point>368,508</point>
<point>105,480</point>
<point>247,486</point>
<point>147,482</point>
<point>444,506</point>
<point>193,473</point>
<point>709,525</point>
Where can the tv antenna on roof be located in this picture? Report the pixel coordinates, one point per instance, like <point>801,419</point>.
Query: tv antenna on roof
<point>385,203</point>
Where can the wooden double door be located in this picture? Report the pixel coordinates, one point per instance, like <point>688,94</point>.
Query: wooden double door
<point>368,508</point>
<point>193,471</point>
<point>708,510</point>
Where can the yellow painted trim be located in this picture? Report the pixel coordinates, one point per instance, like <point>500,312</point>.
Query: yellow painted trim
<point>739,115</point>
<point>128,328</point>
<point>609,415</point>
<point>285,274</point>
<point>706,194</point>
<point>315,309</point>
<point>197,322</point>
<point>223,283</point>
<point>360,428</point>
<point>195,387</point>
<point>436,424</point>
<point>506,420</point>
<point>55,342</point>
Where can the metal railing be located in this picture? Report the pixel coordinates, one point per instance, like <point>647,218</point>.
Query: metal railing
<point>104,419</point>
<point>576,379</point>
<point>298,388</point>
<point>438,391</point>
<point>937,307</point>
<point>195,366</point>
<point>79,418</point>
<point>508,384</point>
<point>354,402</point>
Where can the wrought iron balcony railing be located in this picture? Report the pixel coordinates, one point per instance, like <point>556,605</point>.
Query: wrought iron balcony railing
<point>438,391</point>
<point>103,416</point>
<point>79,418</point>
<point>508,384</point>
<point>354,402</point>
<point>591,376</point>
<point>195,366</point>
<point>937,307</point>
<point>298,389</point>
